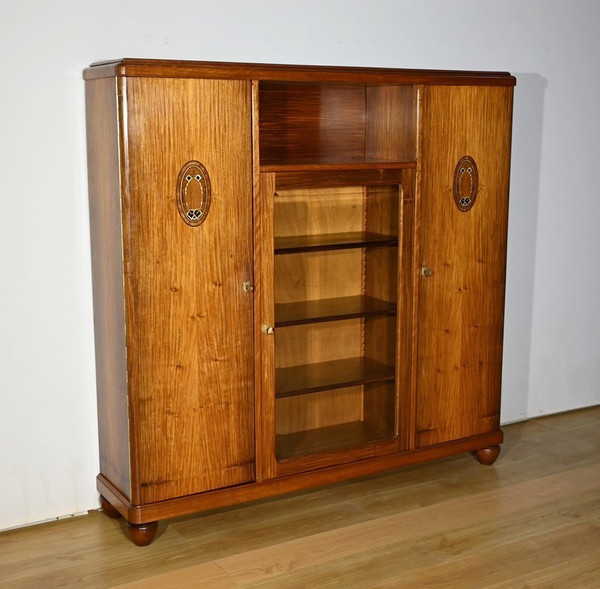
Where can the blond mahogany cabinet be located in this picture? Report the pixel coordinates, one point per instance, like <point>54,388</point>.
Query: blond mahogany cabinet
<point>298,276</point>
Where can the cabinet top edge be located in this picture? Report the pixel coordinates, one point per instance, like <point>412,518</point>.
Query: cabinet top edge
<point>290,73</point>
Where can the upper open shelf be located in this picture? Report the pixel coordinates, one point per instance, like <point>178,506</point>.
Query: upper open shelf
<point>336,126</point>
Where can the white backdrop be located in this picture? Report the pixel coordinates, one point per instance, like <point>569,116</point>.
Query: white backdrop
<point>48,447</point>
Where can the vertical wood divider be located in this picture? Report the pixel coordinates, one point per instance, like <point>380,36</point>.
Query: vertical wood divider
<point>256,281</point>
<point>415,268</point>
<point>265,314</point>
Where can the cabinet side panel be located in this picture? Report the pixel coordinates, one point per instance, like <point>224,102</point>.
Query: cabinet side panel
<point>461,300</point>
<point>107,269</point>
<point>190,320</point>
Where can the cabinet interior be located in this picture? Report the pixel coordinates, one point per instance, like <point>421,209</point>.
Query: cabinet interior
<point>312,123</point>
<point>335,286</point>
<point>338,151</point>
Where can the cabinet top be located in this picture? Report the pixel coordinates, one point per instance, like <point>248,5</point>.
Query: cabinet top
<point>290,73</point>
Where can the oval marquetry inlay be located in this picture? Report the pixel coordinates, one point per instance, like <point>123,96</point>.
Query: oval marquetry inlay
<point>193,193</point>
<point>466,180</point>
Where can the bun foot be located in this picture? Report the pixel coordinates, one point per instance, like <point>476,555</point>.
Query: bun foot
<point>142,534</point>
<point>487,456</point>
<point>108,508</point>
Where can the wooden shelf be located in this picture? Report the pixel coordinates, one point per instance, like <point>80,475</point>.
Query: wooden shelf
<point>332,241</point>
<point>325,165</point>
<point>326,439</point>
<point>326,376</point>
<point>330,176</point>
<point>317,311</point>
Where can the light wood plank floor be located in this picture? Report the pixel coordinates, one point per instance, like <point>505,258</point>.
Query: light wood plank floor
<point>531,520</point>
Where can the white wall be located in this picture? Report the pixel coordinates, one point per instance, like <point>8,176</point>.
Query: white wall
<point>48,448</point>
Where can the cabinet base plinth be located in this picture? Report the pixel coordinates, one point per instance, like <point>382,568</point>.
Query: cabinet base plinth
<point>144,517</point>
<point>487,456</point>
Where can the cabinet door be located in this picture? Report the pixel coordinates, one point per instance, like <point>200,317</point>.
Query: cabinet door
<point>462,255</point>
<point>189,319</point>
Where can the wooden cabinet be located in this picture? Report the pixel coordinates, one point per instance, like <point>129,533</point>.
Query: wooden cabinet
<point>298,276</point>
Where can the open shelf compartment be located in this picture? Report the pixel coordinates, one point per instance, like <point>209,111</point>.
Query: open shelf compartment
<point>341,425</point>
<point>354,125</point>
<point>335,286</point>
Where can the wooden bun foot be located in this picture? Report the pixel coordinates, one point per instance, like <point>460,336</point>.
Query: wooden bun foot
<point>487,456</point>
<point>142,534</point>
<point>108,508</point>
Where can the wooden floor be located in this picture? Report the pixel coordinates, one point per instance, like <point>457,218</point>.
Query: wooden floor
<point>532,520</point>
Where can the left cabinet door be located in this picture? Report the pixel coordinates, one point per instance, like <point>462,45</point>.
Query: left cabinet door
<point>189,320</point>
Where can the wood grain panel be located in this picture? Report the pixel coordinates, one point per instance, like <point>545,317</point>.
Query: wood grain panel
<point>321,275</point>
<point>190,342</point>
<point>318,211</point>
<point>316,411</point>
<point>461,305</point>
<point>103,109</point>
<point>311,123</point>
<point>391,129</point>
<point>318,342</point>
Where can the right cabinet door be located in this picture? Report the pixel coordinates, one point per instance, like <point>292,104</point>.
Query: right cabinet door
<point>465,155</point>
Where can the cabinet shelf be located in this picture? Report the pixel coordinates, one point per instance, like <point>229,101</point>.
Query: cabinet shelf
<point>335,309</point>
<point>326,439</point>
<point>332,241</point>
<point>311,176</point>
<point>326,376</point>
<point>324,165</point>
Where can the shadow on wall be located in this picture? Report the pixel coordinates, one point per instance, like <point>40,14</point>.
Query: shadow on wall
<point>522,237</point>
